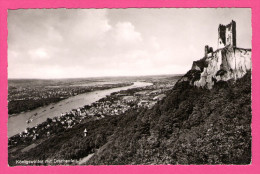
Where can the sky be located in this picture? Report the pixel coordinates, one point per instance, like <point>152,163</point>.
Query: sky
<point>76,43</point>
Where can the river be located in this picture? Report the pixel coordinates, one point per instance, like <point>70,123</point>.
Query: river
<point>17,123</point>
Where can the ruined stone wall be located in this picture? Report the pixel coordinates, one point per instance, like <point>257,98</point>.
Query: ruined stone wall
<point>227,35</point>
<point>221,36</point>
<point>231,34</point>
<point>208,51</point>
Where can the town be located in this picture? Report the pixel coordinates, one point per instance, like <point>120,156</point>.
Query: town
<point>115,104</point>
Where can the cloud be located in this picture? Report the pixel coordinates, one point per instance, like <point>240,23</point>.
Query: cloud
<point>54,35</point>
<point>89,25</point>
<point>125,32</point>
<point>39,54</point>
<point>62,43</point>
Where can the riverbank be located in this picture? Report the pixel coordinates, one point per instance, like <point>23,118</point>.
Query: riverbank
<point>17,124</point>
<point>24,99</point>
<point>89,126</point>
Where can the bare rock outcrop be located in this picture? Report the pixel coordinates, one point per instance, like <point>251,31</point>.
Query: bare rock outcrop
<point>222,65</point>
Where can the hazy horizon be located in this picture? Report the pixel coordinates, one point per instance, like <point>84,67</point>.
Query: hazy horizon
<point>91,43</point>
<point>97,77</point>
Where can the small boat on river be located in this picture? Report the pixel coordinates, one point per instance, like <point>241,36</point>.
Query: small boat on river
<point>29,121</point>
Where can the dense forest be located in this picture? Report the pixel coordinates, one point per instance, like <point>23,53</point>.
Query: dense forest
<point>190,126</point>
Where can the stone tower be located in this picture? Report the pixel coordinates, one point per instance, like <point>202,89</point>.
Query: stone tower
<point>227,35</point>
<point>208,51</point>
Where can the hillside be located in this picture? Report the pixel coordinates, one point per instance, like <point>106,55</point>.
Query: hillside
<point>190,126</point>
<point>205,119</point>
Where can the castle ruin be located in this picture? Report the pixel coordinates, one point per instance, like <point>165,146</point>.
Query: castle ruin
<point>226,37</point>
<point>225,63</point>
<point>208,51</point>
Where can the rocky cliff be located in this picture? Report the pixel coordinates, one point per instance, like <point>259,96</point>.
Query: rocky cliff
<point>222,65</point>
